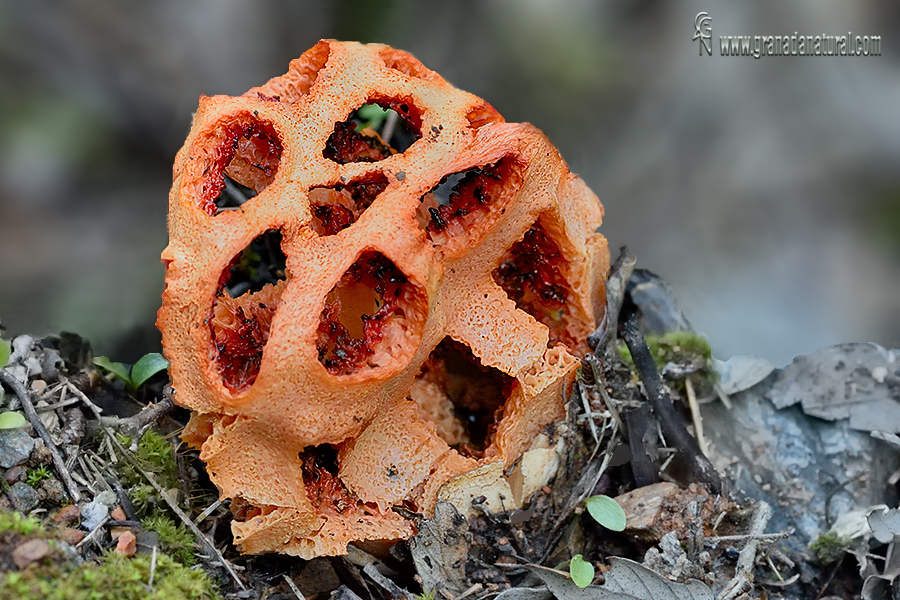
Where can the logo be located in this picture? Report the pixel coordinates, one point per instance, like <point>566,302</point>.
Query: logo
<point>703,32</point>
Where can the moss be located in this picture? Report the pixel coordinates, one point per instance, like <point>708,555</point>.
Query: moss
<point>35,476</point>
<point>156,456</point>
<point>17,523</point>
<point>682,348</point>
<point>829,547</point>
<point>113,578</point>
<point>174,539</point>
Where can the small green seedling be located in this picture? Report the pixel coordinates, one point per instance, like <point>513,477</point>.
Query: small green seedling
<point>581,571</point>
<point>35,476</point>
<point>145,368</point>
<point>429,595</point>
<point>607,512</point>
<point>12,420</point>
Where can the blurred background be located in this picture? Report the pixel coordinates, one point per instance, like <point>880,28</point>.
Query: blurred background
<point>767,192</point>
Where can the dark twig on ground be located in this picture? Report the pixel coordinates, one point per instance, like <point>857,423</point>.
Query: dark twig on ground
<point>638,421</point>
<point>676,433</point>
<point>58,462</point>
<point>134,427</point>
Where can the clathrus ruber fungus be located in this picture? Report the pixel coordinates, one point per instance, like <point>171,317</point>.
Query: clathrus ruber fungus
<point>366,313</point>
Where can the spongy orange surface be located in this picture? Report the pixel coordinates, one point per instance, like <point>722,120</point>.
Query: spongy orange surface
<point>465,268</point>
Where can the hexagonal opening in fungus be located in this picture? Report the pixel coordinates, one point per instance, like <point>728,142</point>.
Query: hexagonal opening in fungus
<point>532,273</point>
<point>338,207</point>
<point>243,164</point>
<point>374,131</point>
<point>369,316</point>
<point>249,292</point>
<point>461,201</point>
<point>461,396</point>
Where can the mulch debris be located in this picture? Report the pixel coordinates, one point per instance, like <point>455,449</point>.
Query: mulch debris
<point>86,469</point>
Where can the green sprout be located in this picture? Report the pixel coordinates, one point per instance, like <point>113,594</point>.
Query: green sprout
<point>581,571</point>
<point>606,511</point>
<point>427,595</point>
<point>35,476</point>
<point>12,420</point>
<point>145,368</point>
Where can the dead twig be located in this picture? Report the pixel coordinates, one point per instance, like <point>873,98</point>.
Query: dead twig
<point>208,511</point>
<point>152,569</point>
<point>134,427</point>
<point>293,587</point>
<point>385,583</point>
<point>87,401</point>
<point>638,423</point>
<point>93,533</point>
<point>667,417</point>
<point>58,462</point>
<point>587,410</point>
<point>696,417</point>
<point>743,571</point>
<point>594,363</point>
<point>763,537</point>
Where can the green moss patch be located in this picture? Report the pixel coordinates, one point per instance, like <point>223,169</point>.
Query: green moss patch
<point>174,539</point>
<point>113,578</point>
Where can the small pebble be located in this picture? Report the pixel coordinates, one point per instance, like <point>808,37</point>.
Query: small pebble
<point>29,552</point>
<point>52,491</point>
<point>175,495</point>
<point>71,536</point>
<point>15,474</point>
<point>127,544</point>
<point>24,497</point>
<point>118,514</point>
<point>68,515</point>
<point>15,447</point>
<point>40,455</point>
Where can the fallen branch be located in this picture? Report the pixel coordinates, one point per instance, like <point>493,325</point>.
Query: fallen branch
<point>58,462</point>
<point>135,426</point>
<point>674,430</point>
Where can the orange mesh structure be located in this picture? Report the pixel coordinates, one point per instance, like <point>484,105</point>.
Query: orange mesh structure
<point>428,316</point>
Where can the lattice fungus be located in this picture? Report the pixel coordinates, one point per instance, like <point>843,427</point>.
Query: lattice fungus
<point>377,294</point>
